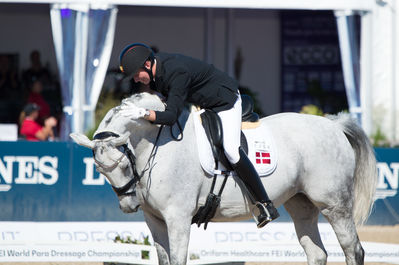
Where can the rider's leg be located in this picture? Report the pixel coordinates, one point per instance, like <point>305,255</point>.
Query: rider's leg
<point>231,123</point>
<point>248,174</point>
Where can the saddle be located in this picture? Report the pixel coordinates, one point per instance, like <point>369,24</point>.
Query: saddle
<point>214,132</point>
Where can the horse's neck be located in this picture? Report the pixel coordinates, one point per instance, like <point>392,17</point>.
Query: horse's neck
<point>143,138</point>
<point>175,166</point>
<point>167,144</point>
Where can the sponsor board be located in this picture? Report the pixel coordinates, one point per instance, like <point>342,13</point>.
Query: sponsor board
<point>57,181</point>
<point>385,211</point>
<point>221,242</point>
<point>388,177</point>
<point>93,252</point>
<point>275,243</point>
<point>74,242</point>
<point>54,181</point>
<point>374,252</point>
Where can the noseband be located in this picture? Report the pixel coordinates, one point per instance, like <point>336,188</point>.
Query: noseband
<point>120,191</point>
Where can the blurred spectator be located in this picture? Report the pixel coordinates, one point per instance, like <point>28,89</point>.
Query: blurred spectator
<point>50,88</point>
<point>35,96</point>
<point>33,131</point>
<point>36,71</point>
<point>8,78</point>
<point>10,94</point>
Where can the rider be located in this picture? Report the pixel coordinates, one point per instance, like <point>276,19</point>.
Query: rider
<point>184,79</point>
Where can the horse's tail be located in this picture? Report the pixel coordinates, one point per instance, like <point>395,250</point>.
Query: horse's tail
<point>365,178</point>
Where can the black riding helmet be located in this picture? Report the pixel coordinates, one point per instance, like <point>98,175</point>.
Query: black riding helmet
<point>133,57</point>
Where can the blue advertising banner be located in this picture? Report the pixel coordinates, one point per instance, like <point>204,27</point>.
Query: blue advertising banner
<point>386,207</point>
<point>57,181</point>
<point>54,181</point>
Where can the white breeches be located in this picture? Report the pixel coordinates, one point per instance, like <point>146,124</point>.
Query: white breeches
<point>231,124</point>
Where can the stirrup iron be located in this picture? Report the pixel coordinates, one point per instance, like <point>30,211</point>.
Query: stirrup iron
<point>258,206</point>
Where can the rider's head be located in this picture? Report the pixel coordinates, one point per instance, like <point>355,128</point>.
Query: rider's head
<point>133,58</point>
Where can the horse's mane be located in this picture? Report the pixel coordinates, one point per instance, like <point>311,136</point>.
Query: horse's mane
<point>142,100</point>
<point>145,100</point>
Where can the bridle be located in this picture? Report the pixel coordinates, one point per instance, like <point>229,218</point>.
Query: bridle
<point>120,191</point>
<point>123,191</point>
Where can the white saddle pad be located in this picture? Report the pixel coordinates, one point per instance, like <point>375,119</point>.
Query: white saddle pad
<point>261,149</point>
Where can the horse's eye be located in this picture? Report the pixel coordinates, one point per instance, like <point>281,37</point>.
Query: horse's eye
<point>121,148</point>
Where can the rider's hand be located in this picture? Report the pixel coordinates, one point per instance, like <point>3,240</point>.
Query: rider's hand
<point>130,110</point>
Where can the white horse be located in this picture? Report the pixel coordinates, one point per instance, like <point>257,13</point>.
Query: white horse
<point>327,166</point>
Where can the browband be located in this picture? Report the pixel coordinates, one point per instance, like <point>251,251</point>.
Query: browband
<point>103,135</point>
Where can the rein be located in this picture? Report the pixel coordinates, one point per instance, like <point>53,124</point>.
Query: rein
<point>123,191</point>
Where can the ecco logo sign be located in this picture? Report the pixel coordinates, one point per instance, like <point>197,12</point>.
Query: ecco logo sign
<point>30,170</point>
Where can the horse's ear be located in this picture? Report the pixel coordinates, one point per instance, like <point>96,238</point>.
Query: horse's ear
<point>82,140</point>
<point>121,139</point>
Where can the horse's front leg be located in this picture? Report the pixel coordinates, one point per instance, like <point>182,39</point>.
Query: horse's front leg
<point>179,235</point>
<point>159,233</point>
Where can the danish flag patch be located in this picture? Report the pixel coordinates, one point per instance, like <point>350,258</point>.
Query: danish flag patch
<point>262,157</point>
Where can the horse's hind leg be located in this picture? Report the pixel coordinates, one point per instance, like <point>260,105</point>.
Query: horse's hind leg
<point>305,216</point>
<point>345,230</point>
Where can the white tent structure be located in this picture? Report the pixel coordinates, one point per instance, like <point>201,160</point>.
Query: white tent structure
<point>370,71</point>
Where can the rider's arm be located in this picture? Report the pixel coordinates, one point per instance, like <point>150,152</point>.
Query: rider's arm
<point>178,92</point>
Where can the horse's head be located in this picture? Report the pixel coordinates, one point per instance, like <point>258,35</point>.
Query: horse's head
<point>113,148</point>
<point>114,158</point>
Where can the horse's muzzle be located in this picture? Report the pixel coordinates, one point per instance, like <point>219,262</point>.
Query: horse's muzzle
<point>129,208</point>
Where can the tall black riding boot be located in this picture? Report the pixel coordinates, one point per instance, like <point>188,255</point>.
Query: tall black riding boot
<point>247,173</point>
